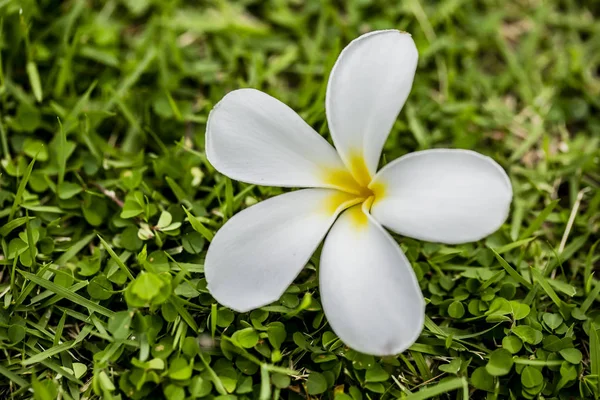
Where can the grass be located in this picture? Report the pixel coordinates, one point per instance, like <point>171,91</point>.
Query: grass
<point>103,110</point>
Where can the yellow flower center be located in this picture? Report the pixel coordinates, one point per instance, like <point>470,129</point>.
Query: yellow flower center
<point>356,187</point>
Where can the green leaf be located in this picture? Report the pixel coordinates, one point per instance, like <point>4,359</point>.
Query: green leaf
<point>316,383</point>
<point>276,333</point>
<point>130,240</point>
<point>147,286</point>
<point>35,148</point>
<point>500,363</point>
<point>528,334</point>
<point>119,324</point>
<point>280,381</point>
<point>67,190</point>
<point>453,367</point>
<point>164,220</point>
<point>132,207</point>
<point>100,288</point>
<point>16,333</point>
<point>180,369</point>
<point>512,343</point>
<point>553,321</point>
<point>572,355</point>
<point>247,338</point>
<point>193,242</point>
<point>376,374</point>
<point>531,377</point>
<point>456,309</point>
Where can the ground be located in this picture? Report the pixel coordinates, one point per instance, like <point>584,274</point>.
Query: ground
<point>104,176</point>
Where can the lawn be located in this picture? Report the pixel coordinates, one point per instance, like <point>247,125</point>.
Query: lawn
<point>108,202</point>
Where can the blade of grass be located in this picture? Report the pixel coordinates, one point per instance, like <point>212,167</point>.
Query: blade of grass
<point>30,244</point>
<point>541,280</point>
<point>436,390</point>
<point>187,317</point>
<point>15,223</point>
<point>589,300</point>
<point>116,258</point>
<point>511,271</point>
<point>228,198</point>
<point>513,245</point>
<point>39,357</point>
<point>595,352</point>
<point>13,377</point>
<point>215,378</point>
<point>62,153</point>
<point>67,294</point>
<point>21,190</point>
<point>75,249</point>
<point>587,272</point>
<point>3,138</point>
<point>539,220</point>
<point>198,226</point>
<point>265,384</point>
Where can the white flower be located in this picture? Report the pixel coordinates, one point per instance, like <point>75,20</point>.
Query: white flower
<point>368,289</point>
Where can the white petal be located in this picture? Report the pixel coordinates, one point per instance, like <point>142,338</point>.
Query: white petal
<point>442,195</point>
<point>255,138</point>
<point>369,291</point>
<point>367,89</point>
<point>255,256</point>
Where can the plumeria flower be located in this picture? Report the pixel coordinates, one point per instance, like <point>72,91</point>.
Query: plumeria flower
<point>368,289</point>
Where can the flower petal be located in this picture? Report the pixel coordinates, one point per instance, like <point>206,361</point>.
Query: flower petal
<point>255,256</point>
<point>369,291</point>
<point>255,138</point>
<point>367,89</point>
<point>442,195</point>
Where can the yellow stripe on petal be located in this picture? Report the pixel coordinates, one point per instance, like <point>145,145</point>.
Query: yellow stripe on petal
<point>340,200</point>
<point>359,169</point>
<point>342,179</point>
<point>358,217</point>
<point>354,181</point>
<point>378,189</point>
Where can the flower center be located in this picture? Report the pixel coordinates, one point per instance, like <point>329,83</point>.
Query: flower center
<point>356,188</point>
<point>357,180</point>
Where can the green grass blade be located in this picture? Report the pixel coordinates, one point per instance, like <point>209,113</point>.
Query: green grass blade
<point>595,352</point>
<point>436,390</point>
<point>34,80</point>
<point>541,280</point>
<point>511,271</point>
<point>21,190</point>
<point>187,317</point>
<point>75,249</point>
<point>589,300</point>
<point>116,258</point>
<point>13,377</point>
<point>67,294</point>
<point>539,220</point>
<point>62,153</point>
<point>48,353</point>
<point>513,245</point>
<point>15,223</point>
<point>198,226</point>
